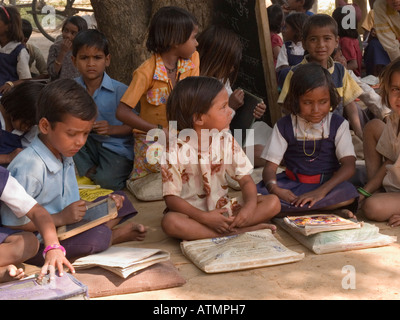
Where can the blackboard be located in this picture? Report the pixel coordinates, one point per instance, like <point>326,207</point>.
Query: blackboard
<point>248,19</point>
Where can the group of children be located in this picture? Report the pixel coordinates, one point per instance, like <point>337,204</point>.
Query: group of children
<point>86,120</point>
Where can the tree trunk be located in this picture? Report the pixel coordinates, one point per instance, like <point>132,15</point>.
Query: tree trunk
<point>125,23</point>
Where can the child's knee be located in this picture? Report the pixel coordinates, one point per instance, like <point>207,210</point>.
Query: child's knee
<point>272,199</point>
<point>271,202</point>
<point>25,246</point>
<point>169,224</point>
<point>371,209</point>
<point>89,242</point>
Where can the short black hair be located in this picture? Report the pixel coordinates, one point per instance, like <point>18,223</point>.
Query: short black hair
<point>338,15</point>
<point>20,102</point>
<point>192,96</point>
<point>308,4</point>
<point>319,20</point>
<point>169,26</point>
<point>306,77</point>
<point>77,21</point>
<point>26,28</point>
<point>275,18</point>
<point>296,21</point>
<point>62,97</point>
<point>90,38</point>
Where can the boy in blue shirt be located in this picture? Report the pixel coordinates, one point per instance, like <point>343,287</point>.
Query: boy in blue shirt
<point>66,113</point>
<point>107,157</point>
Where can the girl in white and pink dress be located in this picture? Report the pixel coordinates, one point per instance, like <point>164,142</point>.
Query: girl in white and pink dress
<point>193,169</point>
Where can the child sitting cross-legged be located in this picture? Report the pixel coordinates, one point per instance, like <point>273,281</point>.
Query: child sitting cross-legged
<point>315,146</point>
<point>107,156</point>
<point>17,246</point>
<point>195,189</point>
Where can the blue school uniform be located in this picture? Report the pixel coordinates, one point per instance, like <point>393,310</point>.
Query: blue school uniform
<point>293,59</point>
<point>310,161</point>
<point>374,55</point>
<point>52,183</point>
<point>9,142</point>
<point>8,65</point>
<point>4,232</point>
<point>112,155</point>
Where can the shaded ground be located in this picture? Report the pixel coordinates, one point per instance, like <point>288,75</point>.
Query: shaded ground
<point>314,277</point>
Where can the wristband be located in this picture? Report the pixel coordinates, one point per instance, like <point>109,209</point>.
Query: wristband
<point>10,83</point>
<point>270,182</point>
<point>53,246</point>
<point>364,192</point>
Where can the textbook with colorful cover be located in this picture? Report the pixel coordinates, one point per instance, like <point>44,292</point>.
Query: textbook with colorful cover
<point>367,236</point>
<point>238,252</point>
<point>315,223</point>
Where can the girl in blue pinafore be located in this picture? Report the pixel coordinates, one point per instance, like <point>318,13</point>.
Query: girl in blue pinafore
<point>292,52</point>
<point>14,58</point>
<point>314,145</point>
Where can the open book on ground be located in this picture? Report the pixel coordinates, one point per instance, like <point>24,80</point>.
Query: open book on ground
<point>239,252</point>
<point>123,261</point>
<point>315,223</point>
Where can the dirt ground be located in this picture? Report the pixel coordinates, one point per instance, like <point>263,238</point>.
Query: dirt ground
<point>316,277</point>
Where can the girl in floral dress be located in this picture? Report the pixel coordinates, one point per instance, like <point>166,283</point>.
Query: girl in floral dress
<point>172,42</point>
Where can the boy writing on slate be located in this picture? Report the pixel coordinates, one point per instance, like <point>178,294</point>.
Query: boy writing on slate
<point>66,114</point>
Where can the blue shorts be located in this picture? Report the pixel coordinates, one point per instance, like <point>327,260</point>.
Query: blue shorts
<point>5,232</point>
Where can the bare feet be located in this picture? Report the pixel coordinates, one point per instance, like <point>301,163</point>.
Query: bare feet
<point>11,272</point>
<point>130,231</point>
<point>345,213</point>
<point>138,232</point>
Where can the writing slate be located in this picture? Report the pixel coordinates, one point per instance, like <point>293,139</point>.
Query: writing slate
<point>244,118</point>
<point>97,213</point>
<point>249,20</point>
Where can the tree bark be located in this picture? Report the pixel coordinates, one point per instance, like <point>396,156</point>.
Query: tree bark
<point>125,24</point>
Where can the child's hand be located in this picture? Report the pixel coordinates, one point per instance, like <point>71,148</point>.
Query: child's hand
<point>55,259</point>
<point>66,45</point>
<point>101,127</point>
<point>5,88</point>
<point>217,221</point>
<point>74,212</point>
<point>118,199</point>
<point>241,219</point>
<point>310,197</point>
<point>284,194</point>
<point>259,110</point>
<point>236,99</point>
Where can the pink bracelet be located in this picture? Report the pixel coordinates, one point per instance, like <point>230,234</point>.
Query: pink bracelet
<point>53,246</point>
